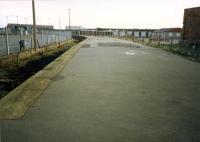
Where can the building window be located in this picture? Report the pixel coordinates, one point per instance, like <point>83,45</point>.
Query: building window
<point>170,34</point>
<point>178,34</point>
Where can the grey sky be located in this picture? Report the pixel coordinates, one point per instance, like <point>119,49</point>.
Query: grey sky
<point>99,13</point>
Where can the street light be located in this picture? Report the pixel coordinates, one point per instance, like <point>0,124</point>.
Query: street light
<point>25,19</point>
<point>17,19</point>
<point>69,18</point>
<point>59,23</point>
<point>8,16</point>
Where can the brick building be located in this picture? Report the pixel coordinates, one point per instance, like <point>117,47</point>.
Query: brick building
<point>191,24</point>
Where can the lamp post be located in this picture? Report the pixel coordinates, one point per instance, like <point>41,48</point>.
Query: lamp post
<point>59,23</point>
<point>34,25</point>
<point>69,18</point>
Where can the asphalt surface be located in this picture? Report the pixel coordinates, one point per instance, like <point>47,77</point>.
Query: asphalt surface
<point>115,91</point>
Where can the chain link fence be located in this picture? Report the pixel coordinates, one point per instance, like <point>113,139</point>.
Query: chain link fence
<point>44,38</point>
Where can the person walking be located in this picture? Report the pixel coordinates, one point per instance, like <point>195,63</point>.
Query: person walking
<point>22,45</point>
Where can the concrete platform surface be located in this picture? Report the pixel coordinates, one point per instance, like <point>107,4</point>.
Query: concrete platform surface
<point>115,91</point>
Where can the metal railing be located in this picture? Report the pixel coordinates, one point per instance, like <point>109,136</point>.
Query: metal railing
<point>44,38</point>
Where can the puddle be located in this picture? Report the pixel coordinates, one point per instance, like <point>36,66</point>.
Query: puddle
<point>130,53</point>
<point>118,44</point>
<point>145,53</point>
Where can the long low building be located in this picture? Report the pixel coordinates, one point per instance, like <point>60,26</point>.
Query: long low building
<point>137,33</point>
<point>166,36</point>
<point>93,32</point>
<point>143,33</point>
<point>26,28</point>
<point>161,36</point>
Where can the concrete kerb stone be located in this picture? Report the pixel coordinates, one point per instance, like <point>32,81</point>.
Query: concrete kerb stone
<point>18,101</point>
<point>21,103</point>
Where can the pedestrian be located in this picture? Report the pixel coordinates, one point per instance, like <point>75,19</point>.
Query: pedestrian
<point>22,45</point>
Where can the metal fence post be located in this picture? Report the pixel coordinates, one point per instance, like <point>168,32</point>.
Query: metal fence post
<point>52,37</point>
<point>42,38</point>
<point>61,36</point>
<point>55,36</point>
<point>31,42</point>
<point>47,38</point>
<point>58,36</point>
<point>7,41</point>
<point>67,34</point>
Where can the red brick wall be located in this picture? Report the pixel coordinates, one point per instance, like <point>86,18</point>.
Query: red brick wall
<point>191,24</point>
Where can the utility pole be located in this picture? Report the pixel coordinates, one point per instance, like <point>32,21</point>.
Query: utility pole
<point>69,26</point>
<point>34,25</point>
<point>7,40</point>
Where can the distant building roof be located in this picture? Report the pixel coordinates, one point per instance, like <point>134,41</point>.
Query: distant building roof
<point>30,25</point>
<point>114,29</point>
<point>73,27</point>
<point>192,8</point>
<point>175,30</point>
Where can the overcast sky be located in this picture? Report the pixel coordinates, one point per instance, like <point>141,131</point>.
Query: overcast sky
<point>99,13</point>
